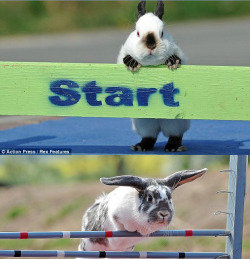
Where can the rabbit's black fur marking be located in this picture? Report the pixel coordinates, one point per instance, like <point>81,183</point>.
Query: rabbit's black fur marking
<point>173,144</point>
<point>125,180</point>
<point>151,41</point>
<point>100,210</point>
<point>131,63</point>
<point>173,61</point>
<point>146,144</point>
<point>159,10</point>
<point>82,245</point>
<point>141,9</point>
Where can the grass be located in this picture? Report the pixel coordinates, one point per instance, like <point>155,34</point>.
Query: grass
<point>246,244</point>
<point>156,244</point>
<point>66,210</point>
<point>16,244</point>
<point>27,17</point>
<point>62,244</point>
<point>16,212</point>
<point>49,244</point>
<point>181,243</point>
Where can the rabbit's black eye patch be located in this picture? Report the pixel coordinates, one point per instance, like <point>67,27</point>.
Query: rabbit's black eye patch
<point>169,195</point>
<point>150,198</point>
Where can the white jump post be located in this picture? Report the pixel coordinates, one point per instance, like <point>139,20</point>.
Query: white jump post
<point>236,197</point>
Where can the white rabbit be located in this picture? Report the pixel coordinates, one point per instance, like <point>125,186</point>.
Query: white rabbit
<point>139,204</point>
<point>150,44</point>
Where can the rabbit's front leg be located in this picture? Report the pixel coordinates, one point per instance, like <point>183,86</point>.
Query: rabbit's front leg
<point>131,63</point>
<point>173,62</point>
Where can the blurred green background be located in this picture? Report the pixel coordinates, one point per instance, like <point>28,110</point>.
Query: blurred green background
<point>26,17</point>
<point>41,170</point>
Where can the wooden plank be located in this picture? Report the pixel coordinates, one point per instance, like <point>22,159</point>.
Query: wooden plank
<point>110,90</point>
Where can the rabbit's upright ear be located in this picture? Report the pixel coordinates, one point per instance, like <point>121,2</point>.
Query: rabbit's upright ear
<point>159,10</point>
<point>177,179</point>
<point>126,180</point>
<point>141,8</point>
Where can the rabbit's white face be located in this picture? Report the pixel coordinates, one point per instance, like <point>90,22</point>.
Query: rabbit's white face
<point>150,33</point>
<point>156,203</point>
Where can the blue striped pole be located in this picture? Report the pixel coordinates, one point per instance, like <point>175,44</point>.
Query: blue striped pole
<point>108,234</point>
<point>109,254</point>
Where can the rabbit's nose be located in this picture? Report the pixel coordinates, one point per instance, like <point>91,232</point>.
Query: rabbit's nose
<point>163,214</point>
<point>150,41</point>
<point>151,46</point>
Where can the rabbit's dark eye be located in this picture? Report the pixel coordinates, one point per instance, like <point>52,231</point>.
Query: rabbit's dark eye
<point>169,195</point>
<point>150,198</point>
<point>138,34</point>
<point>161,34</point>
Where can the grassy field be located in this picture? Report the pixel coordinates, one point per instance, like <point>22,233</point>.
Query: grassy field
<point>27,17</point>
<point>52,207</point>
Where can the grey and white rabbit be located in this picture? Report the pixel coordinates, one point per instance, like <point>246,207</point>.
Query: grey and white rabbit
<point>138,204</point>
<point>150,44</point>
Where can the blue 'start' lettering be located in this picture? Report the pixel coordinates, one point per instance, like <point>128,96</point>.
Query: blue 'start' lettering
<point>69,92</point>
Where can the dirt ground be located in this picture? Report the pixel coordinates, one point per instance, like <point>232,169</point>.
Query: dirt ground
<point>8,122</point>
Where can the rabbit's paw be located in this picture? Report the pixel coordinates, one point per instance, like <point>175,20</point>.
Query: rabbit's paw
<point>146,144</point>
<point>130,228</point>
<point>144,231</point>
<point>173,62</point>
<point>174,145</point>
<point>131,63</point>
<point>174,149</point>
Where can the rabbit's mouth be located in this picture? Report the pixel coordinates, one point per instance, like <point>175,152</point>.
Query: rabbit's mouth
<point>162,216</point>
<point>164,221</point>
<point>152,52</point>
<point>161,221</point>
<point>149,55</point>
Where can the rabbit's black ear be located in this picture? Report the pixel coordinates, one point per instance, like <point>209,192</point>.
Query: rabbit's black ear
<point>126,180</point>
<point>141,8</point>
<point>159,10</point>
<point>177,179</point>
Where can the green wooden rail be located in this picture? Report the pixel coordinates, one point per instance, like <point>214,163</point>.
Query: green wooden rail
<point>110,90</point>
